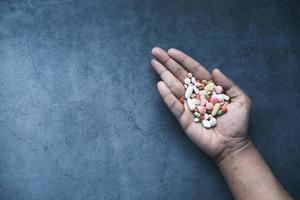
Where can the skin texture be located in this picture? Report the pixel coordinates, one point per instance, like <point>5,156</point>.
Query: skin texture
<point>245,171</point>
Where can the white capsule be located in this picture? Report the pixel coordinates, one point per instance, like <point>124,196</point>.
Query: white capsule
<point>188,92</point>
<point>187,80</point>
<point>220,97</point>
<point>197,91</point>
<point>191,103</point>
<point>213,121</point>
<point>203,92</point>
<point>225,97</point>
<point>206,123</point>
<point>190,75</point>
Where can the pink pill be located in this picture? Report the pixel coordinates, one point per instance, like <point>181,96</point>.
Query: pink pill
<point>214,99</point>
<point>203,102</point>
<point>202,110</point>
<point>219,89</point>
<point>209,106</point>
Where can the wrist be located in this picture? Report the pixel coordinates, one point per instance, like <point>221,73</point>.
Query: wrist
<point>236,151</point>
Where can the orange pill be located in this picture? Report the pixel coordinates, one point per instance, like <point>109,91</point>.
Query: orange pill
<point>224,109</point>
<point>202,117</point>
<point>208,98</point>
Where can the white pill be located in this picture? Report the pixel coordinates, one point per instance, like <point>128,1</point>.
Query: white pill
<point>219,89</point>
<point>187,80</point>
<point>185,86</point>
<point>206,116</point>
<point>193,79</point>
<point>213,121</point>
<point>196,119</point>
<point>206,123</point>
<point>190,75</point>
<point>191,104</point>
<point>189,92</point>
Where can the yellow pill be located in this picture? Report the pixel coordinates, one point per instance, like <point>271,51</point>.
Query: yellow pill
<point>209,87</point>
<point>216,108</point>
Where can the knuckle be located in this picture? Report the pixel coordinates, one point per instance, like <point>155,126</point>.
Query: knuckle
<point>178,72</point>
<point>185,60</point>
<point>173,105</point>
<point>163,73</point>
<point>196,68</point>
<point>166,97</point>
<point>181,112</point>
<point>172,85</point>
<point>167,61</point>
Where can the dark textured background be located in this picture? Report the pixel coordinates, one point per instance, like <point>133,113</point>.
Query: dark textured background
<point>80,117</point>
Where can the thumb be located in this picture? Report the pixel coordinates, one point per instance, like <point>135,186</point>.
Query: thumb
<point>231,89</point>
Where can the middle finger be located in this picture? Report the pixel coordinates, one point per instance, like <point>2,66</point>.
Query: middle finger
<point>171,64</point>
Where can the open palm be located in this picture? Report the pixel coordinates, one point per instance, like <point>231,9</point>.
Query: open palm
<point>230,133</point>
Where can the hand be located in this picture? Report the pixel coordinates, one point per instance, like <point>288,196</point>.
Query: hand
<point>230,133</point>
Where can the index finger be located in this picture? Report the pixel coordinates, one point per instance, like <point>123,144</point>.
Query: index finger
<point>190,64</point>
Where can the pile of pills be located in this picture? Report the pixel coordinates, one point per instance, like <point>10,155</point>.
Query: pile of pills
<point>205,100</point>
